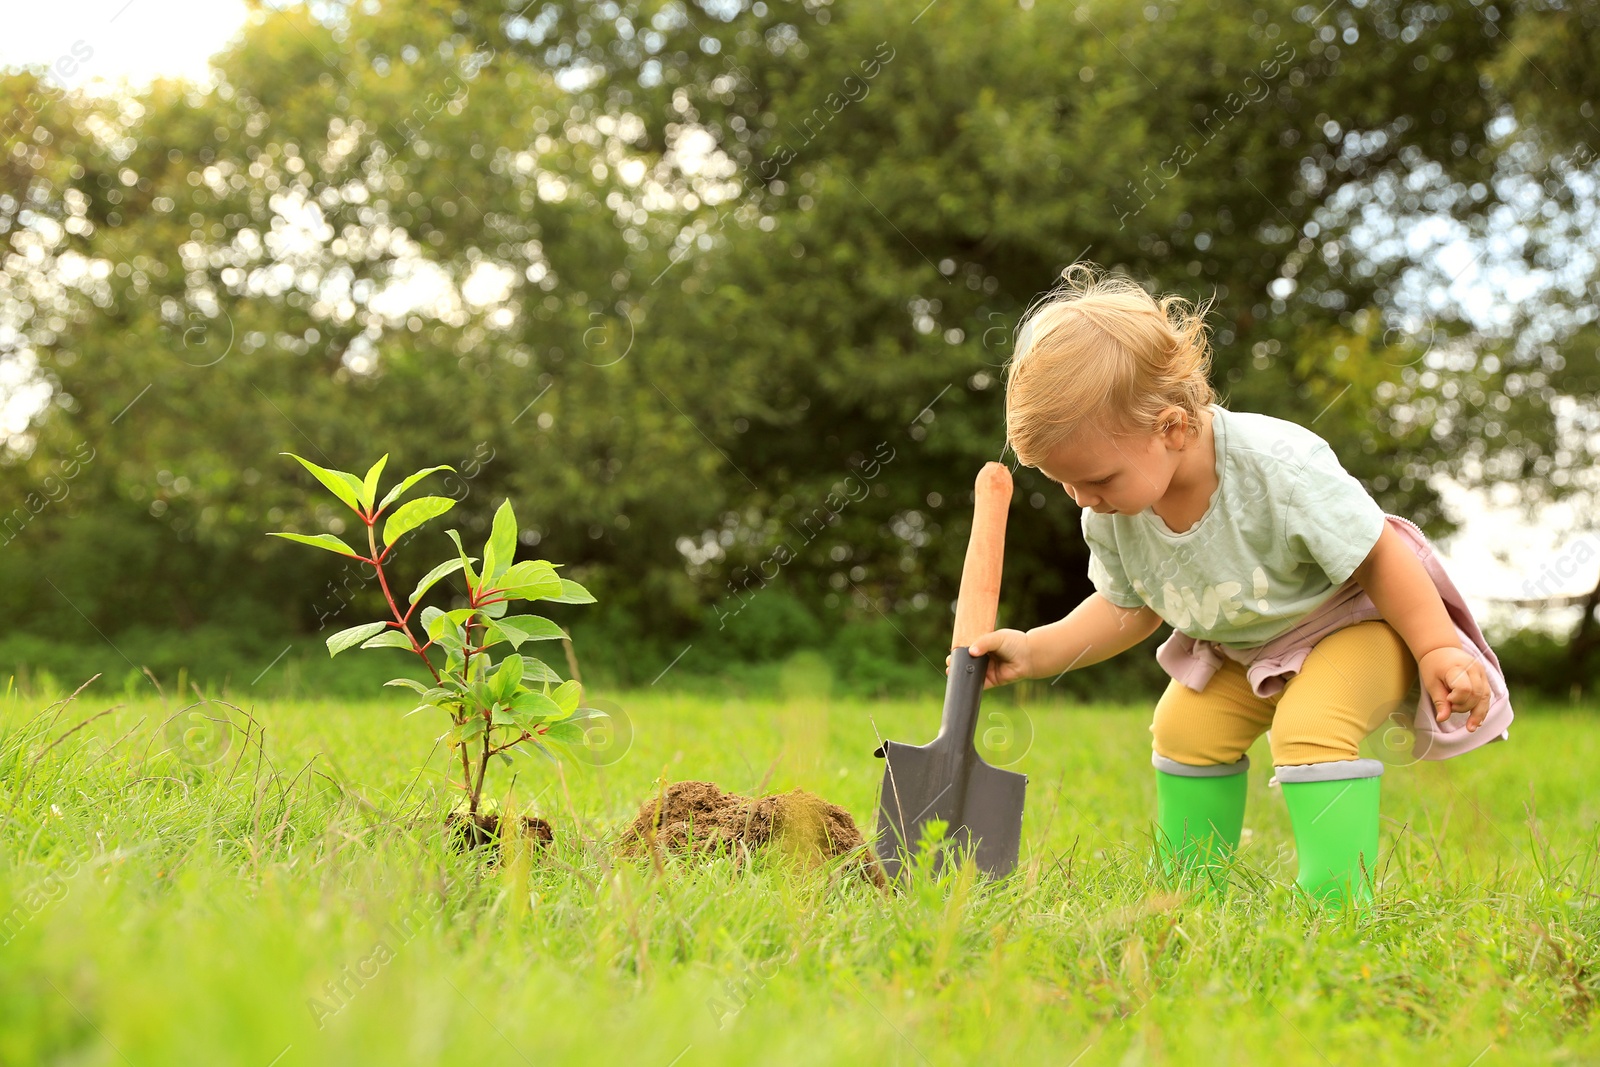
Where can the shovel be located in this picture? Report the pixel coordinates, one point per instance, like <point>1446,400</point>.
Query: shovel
<point>980,804</point>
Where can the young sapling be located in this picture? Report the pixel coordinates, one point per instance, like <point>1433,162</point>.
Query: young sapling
<point>498,700</point>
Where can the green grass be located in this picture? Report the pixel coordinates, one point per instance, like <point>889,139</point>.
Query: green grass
<point>157,911</point>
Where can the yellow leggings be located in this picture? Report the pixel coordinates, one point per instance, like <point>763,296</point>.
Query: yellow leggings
<point>1352,681</point>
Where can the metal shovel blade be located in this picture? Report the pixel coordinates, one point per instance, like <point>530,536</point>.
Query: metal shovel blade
<point>946,779</point>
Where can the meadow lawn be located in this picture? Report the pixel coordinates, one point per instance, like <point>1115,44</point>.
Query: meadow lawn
<point>288,898</point>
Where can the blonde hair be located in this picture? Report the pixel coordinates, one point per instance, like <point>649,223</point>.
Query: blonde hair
<point>1099,349</point>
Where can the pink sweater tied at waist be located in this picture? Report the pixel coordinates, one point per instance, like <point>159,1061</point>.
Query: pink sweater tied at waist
<point>1269,667</point>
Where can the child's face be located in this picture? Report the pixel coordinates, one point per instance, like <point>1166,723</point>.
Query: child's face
<point>1115,473</point>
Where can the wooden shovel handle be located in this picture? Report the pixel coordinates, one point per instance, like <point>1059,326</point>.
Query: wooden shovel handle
<point>979,600</point>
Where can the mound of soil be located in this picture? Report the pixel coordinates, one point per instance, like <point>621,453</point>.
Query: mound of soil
<point>698,817</point>
<point>486,828</point>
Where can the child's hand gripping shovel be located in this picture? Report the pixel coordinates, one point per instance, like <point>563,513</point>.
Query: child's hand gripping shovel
<point>946,779</point>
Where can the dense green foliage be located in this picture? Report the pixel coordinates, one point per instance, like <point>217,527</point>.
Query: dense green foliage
<point>291,896</point>
<point>719,295</point>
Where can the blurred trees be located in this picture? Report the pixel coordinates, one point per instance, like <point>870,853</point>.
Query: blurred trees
<point>720,294</point>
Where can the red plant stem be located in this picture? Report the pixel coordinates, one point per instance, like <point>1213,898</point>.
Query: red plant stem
<point>501,748</point>
<point>483,768</point>
<point>526,736</point>
<point>402,623</point>
<point>377,565</point>
<point>475,791</point>
<point>466,782</point>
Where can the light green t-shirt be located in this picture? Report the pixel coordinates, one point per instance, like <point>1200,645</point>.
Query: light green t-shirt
<point>1286,526</point>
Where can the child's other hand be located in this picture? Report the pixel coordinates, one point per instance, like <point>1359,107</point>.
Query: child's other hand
<point>1010,659</point>
<point>1456,681</point>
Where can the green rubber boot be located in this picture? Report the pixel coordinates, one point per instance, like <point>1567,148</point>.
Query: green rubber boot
<point>1199,816</point>
<point>1334,809</point>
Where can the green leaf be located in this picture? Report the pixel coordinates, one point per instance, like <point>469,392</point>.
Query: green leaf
<point>571,593</point>
<point>472,728</point>
<point>523,721</point>
<point>414,513</point>
<point>347,487</point>
<point>537,672</point>
<point>433,577</point>
<point>369,484</point>
<point>490,638</point>
<point>565,733</point>
<point>537,707</point>
<point>409,683</point>
<point>520,628</point>
<point>400,490</point>
<point>389,639</point>
<point>354,636</point>
<point>566,696</point>
<point>466,560</point>
<point>533,579</point>
<point>503,682</point>
<point>501,548</point>
<point>325,541</point>
<point>441,627</point>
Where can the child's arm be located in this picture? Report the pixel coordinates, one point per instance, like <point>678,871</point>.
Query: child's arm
<point>1095,630</point>
<point>1404,594</point>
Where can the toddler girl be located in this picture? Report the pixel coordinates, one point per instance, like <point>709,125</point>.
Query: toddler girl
<point>1295,603</point>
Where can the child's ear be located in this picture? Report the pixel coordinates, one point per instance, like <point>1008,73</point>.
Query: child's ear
<point>1173,427</point>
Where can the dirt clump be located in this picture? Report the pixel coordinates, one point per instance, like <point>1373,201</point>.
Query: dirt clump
<point>699,817</point>
<point>487,828</point>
